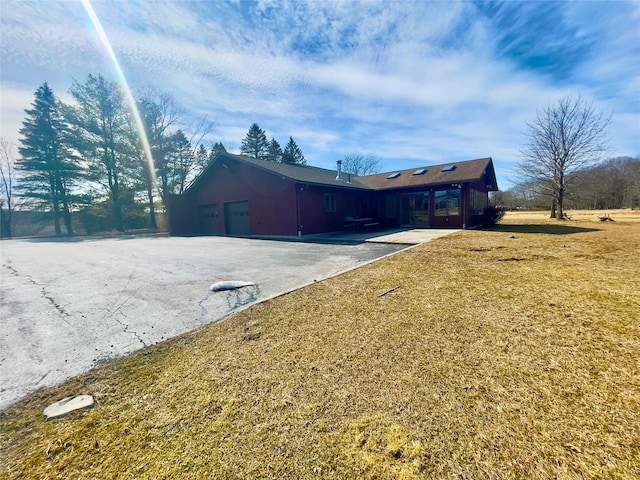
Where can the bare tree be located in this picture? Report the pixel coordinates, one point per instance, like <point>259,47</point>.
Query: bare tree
<point>562,139</point>
<point>7,178</point>
<point>357,164</point>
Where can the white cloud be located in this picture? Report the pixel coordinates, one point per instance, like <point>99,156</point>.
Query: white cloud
<point>409,81</point>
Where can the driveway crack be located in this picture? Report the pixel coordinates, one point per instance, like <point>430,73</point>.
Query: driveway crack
<point>43,292</point>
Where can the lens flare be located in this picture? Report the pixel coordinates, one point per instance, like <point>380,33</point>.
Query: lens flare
<point>125,86</point>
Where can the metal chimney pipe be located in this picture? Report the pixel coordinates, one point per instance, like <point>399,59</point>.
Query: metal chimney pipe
<point>339,177</point>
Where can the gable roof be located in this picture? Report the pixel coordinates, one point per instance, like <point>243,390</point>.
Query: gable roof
<point>298,173</point>
<point>447,173</point>
<point>466,171</point>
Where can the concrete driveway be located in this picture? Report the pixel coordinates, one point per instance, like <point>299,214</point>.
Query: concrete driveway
<point>67,305</point>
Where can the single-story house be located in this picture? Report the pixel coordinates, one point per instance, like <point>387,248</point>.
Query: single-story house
<point>241,196</point>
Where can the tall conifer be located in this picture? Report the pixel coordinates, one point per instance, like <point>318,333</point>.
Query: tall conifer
<point>48,165</point>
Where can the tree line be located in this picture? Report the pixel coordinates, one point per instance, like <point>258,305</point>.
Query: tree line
<point>611,183</point>
<point>87,159</point>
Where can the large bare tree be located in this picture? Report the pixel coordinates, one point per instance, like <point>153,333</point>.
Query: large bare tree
<point>358,164</point>
<point>7,179</point>
<point>562,139</point>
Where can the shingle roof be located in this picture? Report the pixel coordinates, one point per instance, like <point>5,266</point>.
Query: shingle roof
<point>304,173</point>
<point>465,171</point>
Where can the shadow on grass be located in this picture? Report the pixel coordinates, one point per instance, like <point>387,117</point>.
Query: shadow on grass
<point>541,228</point>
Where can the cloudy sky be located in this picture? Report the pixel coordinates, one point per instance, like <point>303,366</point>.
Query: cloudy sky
<point>414,83</point>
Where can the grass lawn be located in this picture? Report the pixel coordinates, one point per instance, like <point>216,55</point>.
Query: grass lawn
<point>504,353</point>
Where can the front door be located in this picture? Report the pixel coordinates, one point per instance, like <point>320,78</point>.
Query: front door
<point>415,209</point>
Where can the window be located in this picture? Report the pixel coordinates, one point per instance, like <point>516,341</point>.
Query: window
<point>449,168</point>
<point>447,203</point>
<point>329,202</point>
<point>393,175</point>
<point>479,201</point>
<point>421,171</point>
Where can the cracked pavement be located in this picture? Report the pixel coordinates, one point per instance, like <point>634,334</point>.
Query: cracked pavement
<point>67,305</point>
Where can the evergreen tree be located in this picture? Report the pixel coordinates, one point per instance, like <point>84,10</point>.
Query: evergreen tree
<point>275,151</point>
<point>48,165</point>
<point>181,161</point>
<point>255,144</point>
<point>217,148</point>
<point>202,158</point>
<point>103,137</point>
<point>293,154</point>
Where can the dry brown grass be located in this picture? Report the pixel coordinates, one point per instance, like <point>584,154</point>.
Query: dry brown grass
<point>497,357</point>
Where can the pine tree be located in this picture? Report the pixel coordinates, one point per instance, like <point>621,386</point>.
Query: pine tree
<point>48,165</point>
<point>181,162</point>
<point>255,144</point>
<point>202,158</point>
<point>275,151</point>
<point>217,148</point>
<point>293,154</point>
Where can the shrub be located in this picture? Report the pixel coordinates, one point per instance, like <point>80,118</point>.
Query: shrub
<point>493,215</point>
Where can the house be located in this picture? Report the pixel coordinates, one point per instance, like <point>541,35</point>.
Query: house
<point>240,196</point>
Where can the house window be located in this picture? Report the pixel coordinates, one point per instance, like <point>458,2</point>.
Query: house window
<point>329,202</point>
<point>478,202</point>
<point>447,203</point>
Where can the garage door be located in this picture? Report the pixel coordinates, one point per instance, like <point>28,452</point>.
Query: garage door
<point>209,219</point>
<point>237,220</point>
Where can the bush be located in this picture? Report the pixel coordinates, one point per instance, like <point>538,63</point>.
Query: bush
<point>493,215</point>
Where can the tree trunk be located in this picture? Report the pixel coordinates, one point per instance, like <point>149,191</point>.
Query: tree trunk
<point>65,207</point>
<point>560,208</point>
<point>553,209</point>
<point>152,209</point>
<point>54,204</point>
<point>5,223</point>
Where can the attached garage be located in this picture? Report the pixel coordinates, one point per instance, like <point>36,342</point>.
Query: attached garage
<point>237,219</point>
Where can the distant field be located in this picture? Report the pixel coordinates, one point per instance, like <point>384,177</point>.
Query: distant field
<point>625,215</point>
<point>507,353</point>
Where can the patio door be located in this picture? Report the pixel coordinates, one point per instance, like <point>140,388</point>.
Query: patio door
<point>414,209</point>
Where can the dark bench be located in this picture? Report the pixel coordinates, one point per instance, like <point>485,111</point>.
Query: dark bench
<point>367,226</point>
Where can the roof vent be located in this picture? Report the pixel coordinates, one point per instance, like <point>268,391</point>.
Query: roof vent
<point>449,168</point>
<point>421,171</point>
<point>393,175</point>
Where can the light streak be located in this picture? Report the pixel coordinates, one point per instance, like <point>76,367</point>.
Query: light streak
<point>125,86</point>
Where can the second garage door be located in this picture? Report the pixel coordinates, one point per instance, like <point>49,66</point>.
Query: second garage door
<point>237,220</point>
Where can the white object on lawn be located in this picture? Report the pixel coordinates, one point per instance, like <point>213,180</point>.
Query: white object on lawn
<point>66,405</point>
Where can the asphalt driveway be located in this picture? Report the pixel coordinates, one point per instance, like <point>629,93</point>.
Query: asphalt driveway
<point>67,305</point>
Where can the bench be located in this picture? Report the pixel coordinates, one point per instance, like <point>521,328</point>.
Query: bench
<point>367,226</point>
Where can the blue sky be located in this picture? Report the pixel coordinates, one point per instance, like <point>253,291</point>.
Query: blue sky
<point>414,83</point>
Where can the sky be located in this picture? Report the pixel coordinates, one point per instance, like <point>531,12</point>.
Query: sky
<point>413,83</point>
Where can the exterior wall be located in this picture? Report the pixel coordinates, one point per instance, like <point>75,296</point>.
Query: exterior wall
<point>272,200</point>
<point>314,218</point>
<point>477,220</point>
<point>390,215</point>
<point>280,206</point>
<point>182,218</point>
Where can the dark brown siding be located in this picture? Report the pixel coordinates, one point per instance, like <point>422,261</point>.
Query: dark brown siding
<point>271,198</point>
<point>314,218</point>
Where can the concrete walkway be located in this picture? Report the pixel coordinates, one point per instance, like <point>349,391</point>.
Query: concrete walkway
<point>400,236</point>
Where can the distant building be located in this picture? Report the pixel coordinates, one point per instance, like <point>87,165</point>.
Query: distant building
<point>242,196</point>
